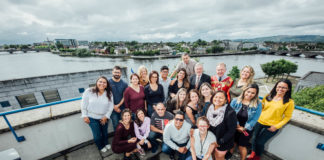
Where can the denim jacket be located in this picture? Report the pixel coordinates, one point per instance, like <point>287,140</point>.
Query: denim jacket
<point>253,113</point>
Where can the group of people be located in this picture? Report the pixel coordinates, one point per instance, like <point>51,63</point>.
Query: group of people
<point>195,115</point>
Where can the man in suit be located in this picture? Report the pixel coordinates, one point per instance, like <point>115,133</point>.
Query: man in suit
<point>199,77</point>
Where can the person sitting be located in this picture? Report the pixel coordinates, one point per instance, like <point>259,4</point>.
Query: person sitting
<point>202,143</point>
<point>159,119</point>
<point>124,140</point>
<point>176,137</point>
<point>142,130</point>
<point>248,109</point>
<point>179,102</point>
<point>199,77</point>
<point>277,109</point>
<point>180,82</point>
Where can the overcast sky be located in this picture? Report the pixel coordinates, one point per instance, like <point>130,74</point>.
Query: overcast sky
<point>28,21</point>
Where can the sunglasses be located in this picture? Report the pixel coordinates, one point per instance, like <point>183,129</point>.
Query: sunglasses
<point>179,119</point>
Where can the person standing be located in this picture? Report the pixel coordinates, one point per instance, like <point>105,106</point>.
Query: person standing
<point>187,63</point>
<point>153,92</point>
<point>220,81</point>
<point>134,97</point>
<point>246,78</point>
<point>118,86</point>
<point>223,122</point>
<point>248,109</point>
<point>143,74</point>
<point>180,82</point>
<point>199,77</point>
<point>165,82</point>
<point>176,137</point>
<point>277,109</point>
<point>96,107</point>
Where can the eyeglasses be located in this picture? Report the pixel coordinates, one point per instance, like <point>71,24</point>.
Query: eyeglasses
<point>279,87</point>
<point>203,126</point>
<point>179,119</point>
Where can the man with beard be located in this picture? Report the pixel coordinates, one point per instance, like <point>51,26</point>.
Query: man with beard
<point>118,87</point>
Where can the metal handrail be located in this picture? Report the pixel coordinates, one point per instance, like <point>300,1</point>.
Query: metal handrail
<point>22,138</point>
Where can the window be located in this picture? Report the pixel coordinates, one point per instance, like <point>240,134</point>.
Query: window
<point>27,100</point>
<point>5,104</point>
<point>81,90</point>
<point>92,85</point>
<point>51,96</point>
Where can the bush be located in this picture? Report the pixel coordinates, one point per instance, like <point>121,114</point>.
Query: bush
<point>234,73</point>
<point>312,98</point>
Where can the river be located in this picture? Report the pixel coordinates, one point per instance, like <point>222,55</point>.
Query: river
<point>31,64</point>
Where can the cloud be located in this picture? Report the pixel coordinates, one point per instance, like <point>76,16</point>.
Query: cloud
<point>166,20</point>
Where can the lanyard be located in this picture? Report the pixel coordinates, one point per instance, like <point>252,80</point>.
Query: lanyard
<point>202,144</point>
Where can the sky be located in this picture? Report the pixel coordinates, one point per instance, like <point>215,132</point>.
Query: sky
<point>29,21</point>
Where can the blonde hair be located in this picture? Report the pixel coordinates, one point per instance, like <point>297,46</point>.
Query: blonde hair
<point>140,68</point>
<point>250,79</point>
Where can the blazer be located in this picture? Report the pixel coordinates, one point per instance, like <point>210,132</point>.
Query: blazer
<point>203,78</point>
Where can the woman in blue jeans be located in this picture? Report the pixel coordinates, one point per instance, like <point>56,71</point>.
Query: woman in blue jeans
<point>96,107</point>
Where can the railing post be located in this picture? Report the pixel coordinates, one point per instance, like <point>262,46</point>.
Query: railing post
<point>19,139</point>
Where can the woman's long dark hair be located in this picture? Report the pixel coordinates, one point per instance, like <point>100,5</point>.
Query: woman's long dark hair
<point>287,95</point>
<point>108,88</point>
<point>185,79</point>
<point>137,120</point>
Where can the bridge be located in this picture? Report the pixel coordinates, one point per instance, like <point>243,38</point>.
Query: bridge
<point>308,54</point>
<point>12,50</point>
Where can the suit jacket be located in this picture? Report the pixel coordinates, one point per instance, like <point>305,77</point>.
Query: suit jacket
<point>203,78</point>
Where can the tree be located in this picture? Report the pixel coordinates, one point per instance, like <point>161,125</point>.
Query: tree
<point>234,73</point>
<point>279,67</point>
<point>59,45</point>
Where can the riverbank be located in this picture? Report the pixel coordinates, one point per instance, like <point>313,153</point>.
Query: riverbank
<point>68,54</point>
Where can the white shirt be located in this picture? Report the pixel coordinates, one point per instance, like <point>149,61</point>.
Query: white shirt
<point>201,147</point>
<point>165,84</point>
<point>95,106</point>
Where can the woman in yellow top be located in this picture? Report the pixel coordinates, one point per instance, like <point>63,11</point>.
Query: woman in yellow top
<point>277,109</point>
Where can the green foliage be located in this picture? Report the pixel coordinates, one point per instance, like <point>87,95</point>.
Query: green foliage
<point>244,49</point>
<point>200,42</point>
<point>59,45</point>
<point>146,53</point>
<point>254,48</point>
<point>81,53</point>
<point>234,73</point>
<point>66,50</point>
<point>312,98</point>
<point>279,67</point>
<point>215,49</point>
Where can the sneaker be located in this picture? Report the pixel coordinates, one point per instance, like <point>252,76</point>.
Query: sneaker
<point>103,150</point>
<point>141,152</point>
<point>251,156</point>
<point>108,146</point>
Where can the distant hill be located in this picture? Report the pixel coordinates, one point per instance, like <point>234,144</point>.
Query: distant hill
<point>286,38</point>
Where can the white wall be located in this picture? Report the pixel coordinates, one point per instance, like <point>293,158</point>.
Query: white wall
<point>48,138</point>
<point>295,143</point>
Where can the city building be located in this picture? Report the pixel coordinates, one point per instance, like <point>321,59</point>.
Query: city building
<point>67,43</point>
